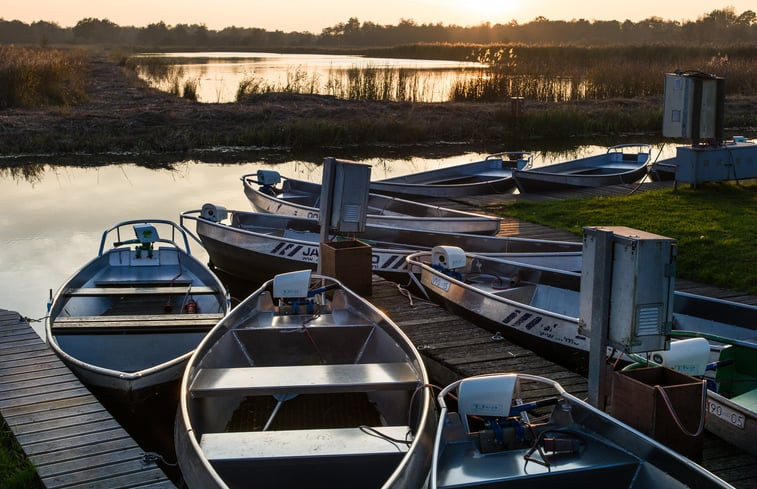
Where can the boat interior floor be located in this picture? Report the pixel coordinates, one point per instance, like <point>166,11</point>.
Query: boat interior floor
<point>589,462</point>
<point>306,411</point>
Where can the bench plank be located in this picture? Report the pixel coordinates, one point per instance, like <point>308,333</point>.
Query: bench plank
<point>303,379</point>
<point>302,443</point>
<point>163,321</point>
<point>103,291</point>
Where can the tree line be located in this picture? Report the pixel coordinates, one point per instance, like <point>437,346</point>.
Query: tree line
<point>721,26</point>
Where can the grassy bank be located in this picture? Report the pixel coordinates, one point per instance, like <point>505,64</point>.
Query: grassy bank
<point>16,472</point>
<point>714,226</point>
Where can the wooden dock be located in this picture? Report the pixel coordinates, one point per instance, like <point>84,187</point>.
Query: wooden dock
<point>67,434</point>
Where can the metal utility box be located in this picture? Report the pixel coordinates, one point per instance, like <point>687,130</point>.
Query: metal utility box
<point>344,195</point>
<point>733,160</point>
<point>694,105</point>
<point>641,289</point>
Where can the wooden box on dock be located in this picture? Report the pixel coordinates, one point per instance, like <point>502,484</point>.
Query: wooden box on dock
<point>637,402</point>
<point>349,262</point>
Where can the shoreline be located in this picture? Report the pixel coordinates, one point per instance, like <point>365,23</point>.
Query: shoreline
<point>124,116</point>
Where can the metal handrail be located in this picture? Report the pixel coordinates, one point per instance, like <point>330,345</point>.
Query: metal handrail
<point>174,229</point>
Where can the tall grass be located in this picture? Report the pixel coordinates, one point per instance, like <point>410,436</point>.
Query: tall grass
<point>190,89</point>
<point>31,77</point>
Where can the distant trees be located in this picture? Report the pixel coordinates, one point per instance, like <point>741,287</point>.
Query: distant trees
<point>722,26</point>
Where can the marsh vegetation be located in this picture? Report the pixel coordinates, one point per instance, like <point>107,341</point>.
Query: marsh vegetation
<point>31,77</point>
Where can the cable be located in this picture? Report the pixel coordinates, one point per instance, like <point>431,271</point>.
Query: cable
<point>374,432</point>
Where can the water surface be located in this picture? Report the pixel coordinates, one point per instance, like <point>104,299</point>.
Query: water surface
<point>219,73</point>
<point>55,215</point>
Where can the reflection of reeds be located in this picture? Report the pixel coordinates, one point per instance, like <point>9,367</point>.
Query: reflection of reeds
<point>370,83</point>
<point>32,77</point>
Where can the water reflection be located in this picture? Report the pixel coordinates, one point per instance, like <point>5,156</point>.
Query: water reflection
<point>55,214</point>
<point>219,75</point>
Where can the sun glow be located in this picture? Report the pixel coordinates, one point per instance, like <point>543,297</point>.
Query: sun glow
<point>474,12</point>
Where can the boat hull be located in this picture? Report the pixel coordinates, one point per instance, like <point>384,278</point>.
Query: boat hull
<point>595,448</point>
<point>554,336</point>
<point>489,176</point>
<point>254,247</point>
<point>536,181</point>
<point>122,323</point>
<point>615,167</point>
<point>383,210</point>
<point>318,380</point>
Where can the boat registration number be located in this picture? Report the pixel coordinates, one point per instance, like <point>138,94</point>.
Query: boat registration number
<point>726,414</point>
<point>440,283</point>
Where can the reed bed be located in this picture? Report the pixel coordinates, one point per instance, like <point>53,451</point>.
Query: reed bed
<point>542,74</point>
<point>32,77</point>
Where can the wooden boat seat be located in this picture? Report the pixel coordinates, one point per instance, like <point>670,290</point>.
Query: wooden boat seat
<point>143,283</point>
<point>282,445</point>
<point>303,379</point>
<point>183,322</point>
<point>102,291</point>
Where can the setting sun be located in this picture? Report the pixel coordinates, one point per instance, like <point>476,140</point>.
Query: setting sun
<point>473,12</point>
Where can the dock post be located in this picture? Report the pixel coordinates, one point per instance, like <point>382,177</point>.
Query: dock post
<point>596,276</point>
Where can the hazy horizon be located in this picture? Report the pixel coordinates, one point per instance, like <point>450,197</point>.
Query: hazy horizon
<point>315,16</point>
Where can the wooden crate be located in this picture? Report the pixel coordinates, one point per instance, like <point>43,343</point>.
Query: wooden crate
<point>349,262</point>
<point>637,402</point>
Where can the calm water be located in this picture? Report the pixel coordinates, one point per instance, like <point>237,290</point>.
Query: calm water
<point>54,218</point>
<point>219,74</point>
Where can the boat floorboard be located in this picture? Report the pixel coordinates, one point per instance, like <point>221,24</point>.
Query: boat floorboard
<point>66,433</point>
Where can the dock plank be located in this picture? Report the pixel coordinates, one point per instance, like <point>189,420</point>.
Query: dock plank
<point>66,433</point>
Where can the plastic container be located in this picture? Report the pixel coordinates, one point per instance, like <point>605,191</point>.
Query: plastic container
<point>689,356</point>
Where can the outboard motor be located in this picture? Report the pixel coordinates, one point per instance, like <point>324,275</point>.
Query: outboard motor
<point>213,213</point>
<point>268,179</point>
<point>448,260</point>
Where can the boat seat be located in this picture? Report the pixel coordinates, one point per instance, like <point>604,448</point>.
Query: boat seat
<point>183,322</point>
<point>748,400</point>
<point>282,445</point>
<point>303,379</point>
<point>102,291</point>
<point>581,171</point>
<point>144,283</point>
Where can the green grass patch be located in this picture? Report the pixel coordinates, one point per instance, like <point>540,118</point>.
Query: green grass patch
<point>16,472</point>
<point>714,226</point>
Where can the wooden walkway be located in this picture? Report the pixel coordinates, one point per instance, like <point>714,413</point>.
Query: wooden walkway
<point>66,433</point>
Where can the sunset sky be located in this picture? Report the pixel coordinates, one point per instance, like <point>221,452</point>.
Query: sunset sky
<point>314,15</point>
